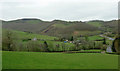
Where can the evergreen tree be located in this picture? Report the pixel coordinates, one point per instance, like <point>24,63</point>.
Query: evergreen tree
<point>72,38</point>
<point>104,41</point>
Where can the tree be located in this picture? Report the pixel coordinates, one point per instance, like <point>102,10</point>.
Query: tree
<point>94,44</point>
<point>86,38</point>
<point>116,44</point>
<point>104,41</point>
<point>46,46</point>
<point>7,40</point>
<point>72,38</point>
<point>76,45</point>
<point>63,46</point>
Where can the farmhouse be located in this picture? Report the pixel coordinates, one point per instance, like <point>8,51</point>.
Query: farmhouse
<point>34,39</point>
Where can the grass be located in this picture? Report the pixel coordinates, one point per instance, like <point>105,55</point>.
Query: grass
<point>91,50</point>
<point>33,21</point>
<point>95,37</point>
<point>96,24</point>
<point>42,60</point>
<point>25,35</point>
<point>88,32</point>
<point>91,38</point>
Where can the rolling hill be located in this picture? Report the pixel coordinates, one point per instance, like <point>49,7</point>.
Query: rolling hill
<point>60,27</point>
<point>48,27</point>
<point>28,25</point>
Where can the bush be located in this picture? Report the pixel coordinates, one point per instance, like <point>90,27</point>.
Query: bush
<point>35,46</point>
<point>51,46</point>
<point>104,47</point>
<point>8,40</point>
<point>46,46</point>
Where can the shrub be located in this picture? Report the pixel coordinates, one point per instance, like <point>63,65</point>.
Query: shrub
<point>46,46</point>
<point>35,46</point>
<point>8,40</point>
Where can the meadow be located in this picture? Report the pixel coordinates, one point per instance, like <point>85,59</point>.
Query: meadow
<point>43,60</point>
<point>24,35</point>
<point>97,24</point>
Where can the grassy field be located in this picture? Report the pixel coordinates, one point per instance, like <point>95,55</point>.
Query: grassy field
<point>41,60</point>
<point>95,37</point>
<point>86,32</point>
<point>92,38</point>
<point>97,24</point>
<point>27,35</point>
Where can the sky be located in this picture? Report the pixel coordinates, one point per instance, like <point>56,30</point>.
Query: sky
<point>69,10</point>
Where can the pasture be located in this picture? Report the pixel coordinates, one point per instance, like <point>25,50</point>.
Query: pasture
<point>42,60</point>
<point>31,36</point>
<point>97,24</point>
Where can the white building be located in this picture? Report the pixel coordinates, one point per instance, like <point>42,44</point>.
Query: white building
<point>34,39</point>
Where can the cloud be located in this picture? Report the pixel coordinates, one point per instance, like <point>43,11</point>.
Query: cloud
<point>59,9</point>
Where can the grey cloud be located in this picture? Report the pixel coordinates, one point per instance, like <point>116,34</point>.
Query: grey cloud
<point>60,9</point>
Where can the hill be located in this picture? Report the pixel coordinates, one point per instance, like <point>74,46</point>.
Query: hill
<point>61,27</point>
<point>97,23</point>
<point>28,25</point>
<point>111,26</point>
<point>54,28</point>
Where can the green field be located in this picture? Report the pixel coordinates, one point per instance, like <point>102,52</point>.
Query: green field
<point>95,37</point>
<point>92,38</point>
<point>31,36</point>
<point>24,35</point>
<point>42,60</point>
<point>97,24</point>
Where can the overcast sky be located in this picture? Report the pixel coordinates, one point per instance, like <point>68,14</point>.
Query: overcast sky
<point>69,10</point>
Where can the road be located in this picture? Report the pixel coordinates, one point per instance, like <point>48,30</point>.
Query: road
<point>107,37</point>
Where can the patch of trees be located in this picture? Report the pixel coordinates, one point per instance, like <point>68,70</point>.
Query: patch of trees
<point>111,26</point>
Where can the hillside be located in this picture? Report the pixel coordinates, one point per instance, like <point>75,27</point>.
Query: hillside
<point>28,25</point>
<point>97,23</point>
<point>60,27</point>
<point>111,26</point>
<point>48,27</point>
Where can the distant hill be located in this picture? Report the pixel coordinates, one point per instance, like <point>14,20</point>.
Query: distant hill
<point>111,26</point>
<point>97,23</point>
<point>57,27</point>
<point>30,25</point>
